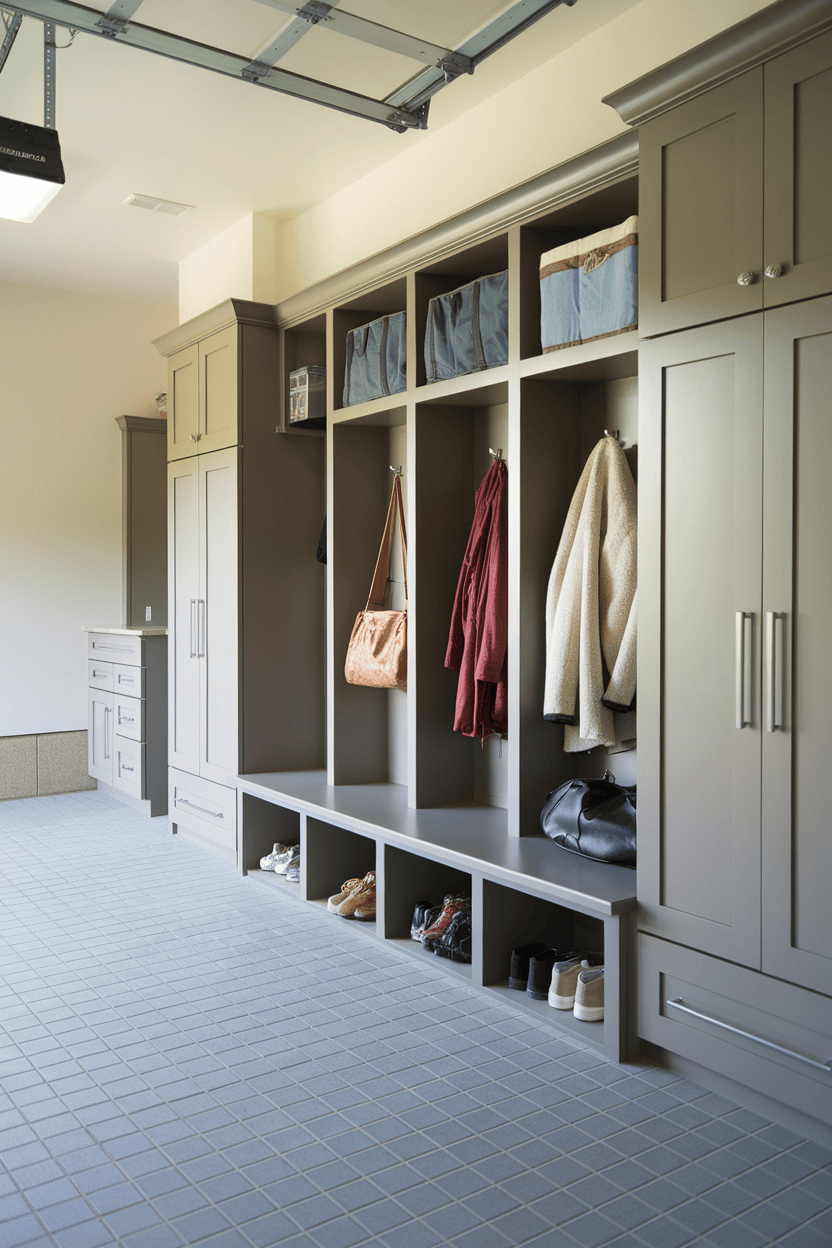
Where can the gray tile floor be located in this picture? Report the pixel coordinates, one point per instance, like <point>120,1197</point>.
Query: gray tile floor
<point>187,1059</point>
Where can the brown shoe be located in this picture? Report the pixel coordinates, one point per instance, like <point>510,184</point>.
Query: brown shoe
<point>360,898</point>
<point>335,900</point>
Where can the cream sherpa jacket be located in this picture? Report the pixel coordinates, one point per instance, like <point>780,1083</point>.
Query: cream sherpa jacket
<point>591,608</point>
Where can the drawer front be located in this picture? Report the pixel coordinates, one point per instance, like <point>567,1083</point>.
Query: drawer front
<point>762,1032</point>
<point>99,674</point>
<point>129,680</point>
<point>205,807</point>
<point>128,716</point>
<point>128,766</point>
<point>116,647</point>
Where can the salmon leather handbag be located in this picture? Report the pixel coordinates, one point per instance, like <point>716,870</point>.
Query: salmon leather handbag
<point>377,653</point>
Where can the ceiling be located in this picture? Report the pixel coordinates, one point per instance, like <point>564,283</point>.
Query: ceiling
<point>130,122</point>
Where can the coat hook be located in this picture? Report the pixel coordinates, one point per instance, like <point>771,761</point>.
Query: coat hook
<point>497,455</point>
<point>398,471</point>
<point>613,434</point>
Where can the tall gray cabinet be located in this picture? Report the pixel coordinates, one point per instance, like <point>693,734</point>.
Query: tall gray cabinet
<point>245,592</point>
<point>735,856</point>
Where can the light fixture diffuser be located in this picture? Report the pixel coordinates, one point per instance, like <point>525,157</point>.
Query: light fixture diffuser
<point>31,170</point>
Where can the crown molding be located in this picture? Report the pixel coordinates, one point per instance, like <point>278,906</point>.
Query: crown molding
<point>736,50</point>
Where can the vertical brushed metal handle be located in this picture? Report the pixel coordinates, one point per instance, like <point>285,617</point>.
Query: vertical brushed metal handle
<point>106,733</point>
<point>201,628</point>
<point>193,642</point>
<point>744,669</point>
<point>776,669</point>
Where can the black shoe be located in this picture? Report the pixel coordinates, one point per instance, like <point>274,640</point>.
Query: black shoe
<point>456,941</point>
<point>541,966</point>
<point>518,975</point>
<point>417,926</point>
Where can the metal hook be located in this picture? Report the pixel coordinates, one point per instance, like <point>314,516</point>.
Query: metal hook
<point>497,455</point>
<point>398,471</point>
<point>613,434</point>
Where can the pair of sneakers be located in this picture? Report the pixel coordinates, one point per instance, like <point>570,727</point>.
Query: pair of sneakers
<point>283,860</point>
<point>356,898</point>
<point>578,985</point>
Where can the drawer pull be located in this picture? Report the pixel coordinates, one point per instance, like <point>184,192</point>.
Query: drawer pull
<point>678,1004</point>
<point>124,767</point>
<point>126,680</point>
<point>183,801</point>
<point>98,675</point>
<point>102,645</point>
<point>126,719</point>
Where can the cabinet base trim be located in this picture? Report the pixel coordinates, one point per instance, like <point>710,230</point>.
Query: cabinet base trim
<point>757,1102</point>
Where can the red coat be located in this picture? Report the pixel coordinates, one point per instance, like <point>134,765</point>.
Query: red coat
<point>479,625</point>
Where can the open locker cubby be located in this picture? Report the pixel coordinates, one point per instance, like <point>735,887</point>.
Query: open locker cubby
<point>358,311</point>
<point>367,728</point>
<point>451,444</point>
<point>330,856</point>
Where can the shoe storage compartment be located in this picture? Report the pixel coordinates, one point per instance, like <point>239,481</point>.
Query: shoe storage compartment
<point>330,855</point>
<point>409,878</point>
<point>367,728</point>
<point>451,442</point>
<point>262,825</point>
<point>512,918</point>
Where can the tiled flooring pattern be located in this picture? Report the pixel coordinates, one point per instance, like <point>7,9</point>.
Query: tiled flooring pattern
<point>187,1059</point>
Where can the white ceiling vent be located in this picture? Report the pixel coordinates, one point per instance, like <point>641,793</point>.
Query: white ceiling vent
<point>158,205</point>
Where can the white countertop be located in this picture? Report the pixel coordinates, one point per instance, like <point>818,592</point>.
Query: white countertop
<point>128,632</point>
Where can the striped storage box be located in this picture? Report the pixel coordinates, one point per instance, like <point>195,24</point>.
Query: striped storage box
<point>589,288</point>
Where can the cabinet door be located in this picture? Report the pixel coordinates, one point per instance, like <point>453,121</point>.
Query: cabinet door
<point>183,403</point>
<point>183,593</point>
<point>700,568</point>
<point>219,391</point>
<point>100,735</point>
<point>701,208</point>
<point>798,185</point>
<point>797,591</point>
<point>217,616</point>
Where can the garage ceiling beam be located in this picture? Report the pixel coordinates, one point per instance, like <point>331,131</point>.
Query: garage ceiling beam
<point>415,93</point>
<point>79,17</point>
<point>317,13</point>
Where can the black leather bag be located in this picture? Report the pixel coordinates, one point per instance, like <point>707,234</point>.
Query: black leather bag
<point>595,818</point>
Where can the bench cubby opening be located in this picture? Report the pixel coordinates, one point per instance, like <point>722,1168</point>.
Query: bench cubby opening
<point>332,855</point>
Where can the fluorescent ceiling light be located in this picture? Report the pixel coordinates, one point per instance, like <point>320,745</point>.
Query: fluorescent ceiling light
<point>31,170</point>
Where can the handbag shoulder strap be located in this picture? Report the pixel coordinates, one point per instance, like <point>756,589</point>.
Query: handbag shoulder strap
<point>382,573</point>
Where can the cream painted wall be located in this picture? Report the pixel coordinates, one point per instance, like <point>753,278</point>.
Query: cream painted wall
<point>543,119</point>
<point>240,263</point>
<point>70,363</point>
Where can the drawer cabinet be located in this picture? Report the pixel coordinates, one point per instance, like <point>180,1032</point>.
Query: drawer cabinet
<point>127,723</point>
<point>206,809</point>
<point>766,1034</point>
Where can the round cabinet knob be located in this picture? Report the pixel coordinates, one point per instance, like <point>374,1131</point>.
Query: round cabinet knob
<point>774,270</point>
<point>746,279</point>
<point>192,436</point>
